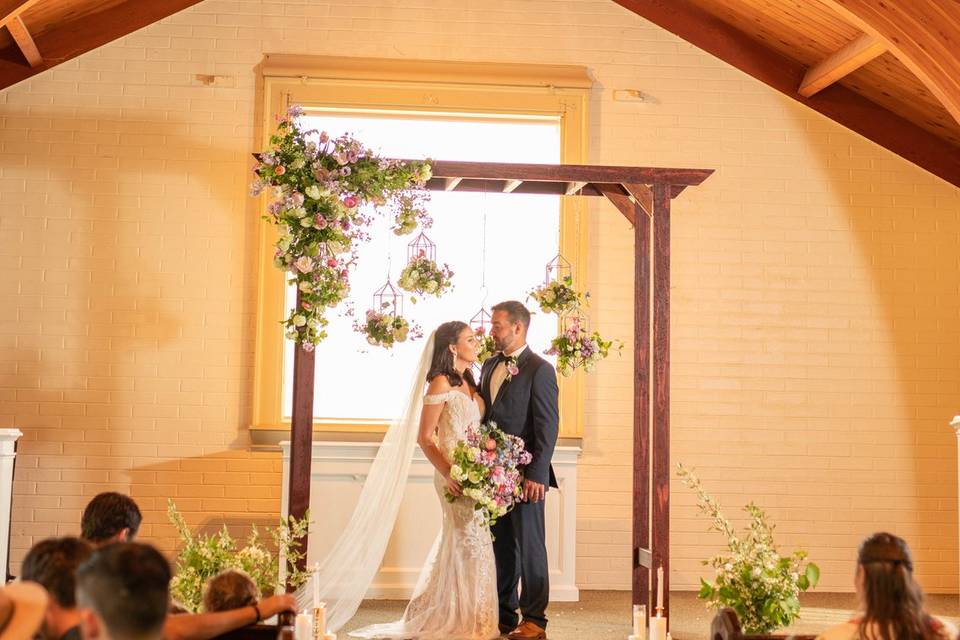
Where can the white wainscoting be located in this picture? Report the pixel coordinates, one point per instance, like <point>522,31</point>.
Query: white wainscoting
<point>8,439</point>
<point>339,469</point>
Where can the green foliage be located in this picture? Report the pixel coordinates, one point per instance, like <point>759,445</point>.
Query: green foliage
<point>753,579</point>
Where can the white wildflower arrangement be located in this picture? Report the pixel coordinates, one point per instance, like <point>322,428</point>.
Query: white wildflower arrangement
<point>385,329</point>
<point>203,556</point>
<point>424,276</point>
<point>486,346</point>
<point>575,348</point>
<point>558,296</point>
<point>753,579</point>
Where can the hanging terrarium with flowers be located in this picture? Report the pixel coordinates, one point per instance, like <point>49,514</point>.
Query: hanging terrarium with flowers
<point>557,294</point>
<point>384,324</point>
<point>319,188</point>
<point>422,274</point>
<point>480,323</point>
<point>577,347</point>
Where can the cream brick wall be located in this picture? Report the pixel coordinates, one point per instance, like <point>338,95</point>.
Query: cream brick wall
<point>815,283</point>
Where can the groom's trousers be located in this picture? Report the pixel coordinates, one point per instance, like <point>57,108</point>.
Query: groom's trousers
<point>521,551</point>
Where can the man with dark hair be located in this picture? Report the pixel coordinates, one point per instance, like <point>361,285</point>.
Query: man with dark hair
<point>519,390</point>
<point>122,593</point>
<point>110,517</point>
<point>53,564</point>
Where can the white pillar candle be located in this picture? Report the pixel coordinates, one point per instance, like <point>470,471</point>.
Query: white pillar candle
<point>640,621</point>
<point>659,590</point>
<point>320,619</point>
<point>658,628</point>
<point>303,628</point>
<point>316,586</point>
<point>329,636</point>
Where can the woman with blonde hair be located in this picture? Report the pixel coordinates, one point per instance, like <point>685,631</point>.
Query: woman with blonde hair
<point>890,599</point>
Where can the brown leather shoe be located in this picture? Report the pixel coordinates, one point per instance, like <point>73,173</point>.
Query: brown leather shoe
<point>528,631</point>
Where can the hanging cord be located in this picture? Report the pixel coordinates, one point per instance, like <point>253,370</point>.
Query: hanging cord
<point>483,254</point>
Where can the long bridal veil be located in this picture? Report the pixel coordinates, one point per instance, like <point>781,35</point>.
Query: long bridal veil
<point>352,562</point>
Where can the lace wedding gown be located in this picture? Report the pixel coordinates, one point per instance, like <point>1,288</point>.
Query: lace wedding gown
<point>456,595</point>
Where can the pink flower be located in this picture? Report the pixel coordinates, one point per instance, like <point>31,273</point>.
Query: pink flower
<point>308,346</point>
<point>350,202</point>
<point>513,369</point>
<point>332,262</point>
<point>491,444</point>
<point>280,170</point>
<point>343,273</point>
<point>321,222</point>
<point>306,305</point>
<point>489,456</point>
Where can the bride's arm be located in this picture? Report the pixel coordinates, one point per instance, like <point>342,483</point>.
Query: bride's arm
<point>429,418</point>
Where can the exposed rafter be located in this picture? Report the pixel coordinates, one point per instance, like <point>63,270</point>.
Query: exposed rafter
<point>25,41</point>
<point>842,63</point>
<point>69,39</point>
<point>10,9</point>
<point>710,33</point>
<point>924,36</point>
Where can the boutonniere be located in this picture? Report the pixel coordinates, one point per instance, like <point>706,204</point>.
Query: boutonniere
<point>512,368</point>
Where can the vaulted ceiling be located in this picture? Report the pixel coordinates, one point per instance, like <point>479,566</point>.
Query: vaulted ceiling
<point>887,69</point>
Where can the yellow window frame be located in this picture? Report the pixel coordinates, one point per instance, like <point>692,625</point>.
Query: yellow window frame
<point>469,88</point>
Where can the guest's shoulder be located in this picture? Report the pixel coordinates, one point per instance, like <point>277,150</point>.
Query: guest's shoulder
<point>845,631</point>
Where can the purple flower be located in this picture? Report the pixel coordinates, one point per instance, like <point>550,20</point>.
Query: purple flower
<point>295,111</point>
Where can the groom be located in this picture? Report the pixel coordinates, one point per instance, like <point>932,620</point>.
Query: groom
<point>519,390</point>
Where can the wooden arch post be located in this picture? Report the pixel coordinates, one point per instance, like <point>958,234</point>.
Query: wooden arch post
<point>643,195</point>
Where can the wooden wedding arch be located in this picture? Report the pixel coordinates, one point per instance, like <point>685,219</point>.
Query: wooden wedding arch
<point>643,195</point>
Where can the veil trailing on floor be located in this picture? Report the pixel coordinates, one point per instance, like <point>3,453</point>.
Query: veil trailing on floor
<point>352,562</point>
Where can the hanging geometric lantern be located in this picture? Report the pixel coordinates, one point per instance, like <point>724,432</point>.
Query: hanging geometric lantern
<point>421,247</point>
<point>481,321</point>
<point>558,269</point>
<point>388,300</point>
<point>575,319</point>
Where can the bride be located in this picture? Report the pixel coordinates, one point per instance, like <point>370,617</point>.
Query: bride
<point>456,594</point>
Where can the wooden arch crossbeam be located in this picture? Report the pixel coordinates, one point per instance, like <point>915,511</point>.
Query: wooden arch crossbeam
<point>643,195</point>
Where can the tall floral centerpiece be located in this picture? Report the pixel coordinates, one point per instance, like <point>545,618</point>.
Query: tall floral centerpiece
<point>752,578</point>
<point>319,187</point>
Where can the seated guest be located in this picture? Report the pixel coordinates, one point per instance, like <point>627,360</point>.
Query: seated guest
<point>21,610</point>
<point>110,517</point>
<point>890,599</point>
<point>230,589</point>
<point>52,564</point>
<point>122,593</point>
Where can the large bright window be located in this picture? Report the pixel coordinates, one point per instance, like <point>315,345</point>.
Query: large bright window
<point>497,245</point>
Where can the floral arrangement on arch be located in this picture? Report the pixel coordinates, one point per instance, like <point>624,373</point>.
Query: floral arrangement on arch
<point>319,187</point>
<point>424,276</point>
<point>486,464</point>
<point>385,328</point>
<point>753,579</point>
<point>558,296</point>
<point>576,347</point>
<point>203,556</point>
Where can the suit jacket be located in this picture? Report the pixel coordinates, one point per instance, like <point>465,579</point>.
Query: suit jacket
<point>527,407</point>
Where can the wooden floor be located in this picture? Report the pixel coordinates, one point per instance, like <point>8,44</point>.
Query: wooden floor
<point>605,615</point>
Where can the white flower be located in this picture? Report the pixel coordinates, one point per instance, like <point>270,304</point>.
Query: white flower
<point>299,320</point>
<point>313,191</point>
<point>304,264</point>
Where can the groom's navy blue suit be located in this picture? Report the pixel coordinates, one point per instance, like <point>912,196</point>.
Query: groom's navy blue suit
<point>525,406</point>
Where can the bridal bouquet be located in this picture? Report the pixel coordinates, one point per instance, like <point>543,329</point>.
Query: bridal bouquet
<point>424,276</point>
<point>577,348</point>
<point>386,329</point>
<point>486,464</point>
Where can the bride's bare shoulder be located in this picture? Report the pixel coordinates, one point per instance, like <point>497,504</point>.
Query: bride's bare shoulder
<point>440,384</point>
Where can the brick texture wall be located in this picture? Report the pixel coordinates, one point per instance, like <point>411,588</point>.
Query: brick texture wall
<point>816,283</point>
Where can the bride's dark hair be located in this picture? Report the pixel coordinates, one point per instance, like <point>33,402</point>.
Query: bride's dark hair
<point>443,359</point>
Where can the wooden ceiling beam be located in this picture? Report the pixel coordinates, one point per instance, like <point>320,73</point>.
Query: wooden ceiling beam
<point>724,41</point>
<point>72,38</point>
<point>924,36</point>
<point>841,63</point>
<point>10,9</point>
<point>25,41</point>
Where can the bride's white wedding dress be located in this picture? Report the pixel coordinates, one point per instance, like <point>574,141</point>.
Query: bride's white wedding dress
<point>456,595</point>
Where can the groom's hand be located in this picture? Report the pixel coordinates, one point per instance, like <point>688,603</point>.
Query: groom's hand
<point>533,491</point>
